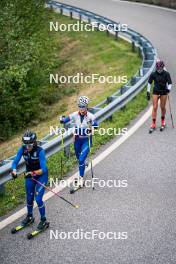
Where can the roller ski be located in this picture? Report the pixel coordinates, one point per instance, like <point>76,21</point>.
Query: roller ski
<point>152,128</point>
<point>77,185</point>
<point>163,125</point>
<point>42,226</point>
<point>29,220</point>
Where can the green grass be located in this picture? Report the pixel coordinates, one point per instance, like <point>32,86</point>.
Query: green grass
<point>94,52</point>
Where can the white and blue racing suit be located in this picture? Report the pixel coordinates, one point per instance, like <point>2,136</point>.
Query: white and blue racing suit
<point>83,125</point>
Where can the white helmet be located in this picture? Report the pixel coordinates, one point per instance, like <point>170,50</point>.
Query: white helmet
<point>83,101</point>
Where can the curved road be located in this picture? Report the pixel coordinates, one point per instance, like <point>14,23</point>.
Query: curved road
<point>147,208</point>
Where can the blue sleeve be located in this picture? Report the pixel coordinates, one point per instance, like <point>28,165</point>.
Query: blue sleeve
<point>42,160</point>
<point>95,124</point>
<point>66,119</point>
<point>17,159</point>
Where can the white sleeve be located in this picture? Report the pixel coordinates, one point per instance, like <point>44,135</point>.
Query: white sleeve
<point>91,117</point>
<point>169,86</point>
<point>148,87</point>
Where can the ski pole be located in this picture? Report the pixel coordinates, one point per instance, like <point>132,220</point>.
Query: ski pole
<point>170,112</point>
<point>49,189</point>
<point>90,155</point>
<point>62,144</point>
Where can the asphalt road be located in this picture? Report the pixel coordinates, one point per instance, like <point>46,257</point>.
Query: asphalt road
<point>146,208</point>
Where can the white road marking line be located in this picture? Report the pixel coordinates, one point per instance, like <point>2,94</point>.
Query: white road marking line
<point>97,160</point>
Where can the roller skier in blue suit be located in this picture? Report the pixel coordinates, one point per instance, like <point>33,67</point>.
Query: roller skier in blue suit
<point>36,167</point>
<point>83,122</point>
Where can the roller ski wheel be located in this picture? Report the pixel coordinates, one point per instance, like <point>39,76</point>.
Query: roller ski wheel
<point>29,236</point>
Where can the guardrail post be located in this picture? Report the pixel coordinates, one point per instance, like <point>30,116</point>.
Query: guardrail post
<point>122,90</point>
<point>71,14</point>
<point>141,72</point>
<point>51,8</point>
<point>89,20</point>
<point>61,11</point>
<point>116,35</point>
<point>2,190</point>
<point>139,52</point>
<point>80,17</point>
<point>98,24</point>
<point>133,80</point>
<point>133,46</point>
<point>107,32</point>
<point>109,100</point>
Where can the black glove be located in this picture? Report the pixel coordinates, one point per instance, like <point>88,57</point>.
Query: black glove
<point>28,175</point>
<point>14,175</point>
<point>148,96</point>
<point>88,131</point>
<point>61,119</point>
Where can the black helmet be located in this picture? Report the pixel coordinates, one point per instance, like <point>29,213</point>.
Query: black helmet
<point>29,137</point>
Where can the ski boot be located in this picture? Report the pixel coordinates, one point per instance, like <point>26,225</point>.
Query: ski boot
<point>152,128</point>
<point>163,124</point>
<point>27,221</point>
<point>78,184</point>
<point>42,225</point>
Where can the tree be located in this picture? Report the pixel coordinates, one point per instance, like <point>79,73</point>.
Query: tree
<point>26,58</point>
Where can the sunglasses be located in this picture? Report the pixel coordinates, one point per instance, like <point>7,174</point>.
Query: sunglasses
<point>29,145</point>
<point>82,107</point>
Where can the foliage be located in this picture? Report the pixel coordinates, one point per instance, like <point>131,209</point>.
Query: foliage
<point>26,58</point>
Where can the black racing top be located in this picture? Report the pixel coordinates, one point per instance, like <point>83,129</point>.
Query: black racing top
<point>160,80</point>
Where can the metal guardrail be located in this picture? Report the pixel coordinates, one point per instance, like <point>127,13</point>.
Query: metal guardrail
<point>114,102</point>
